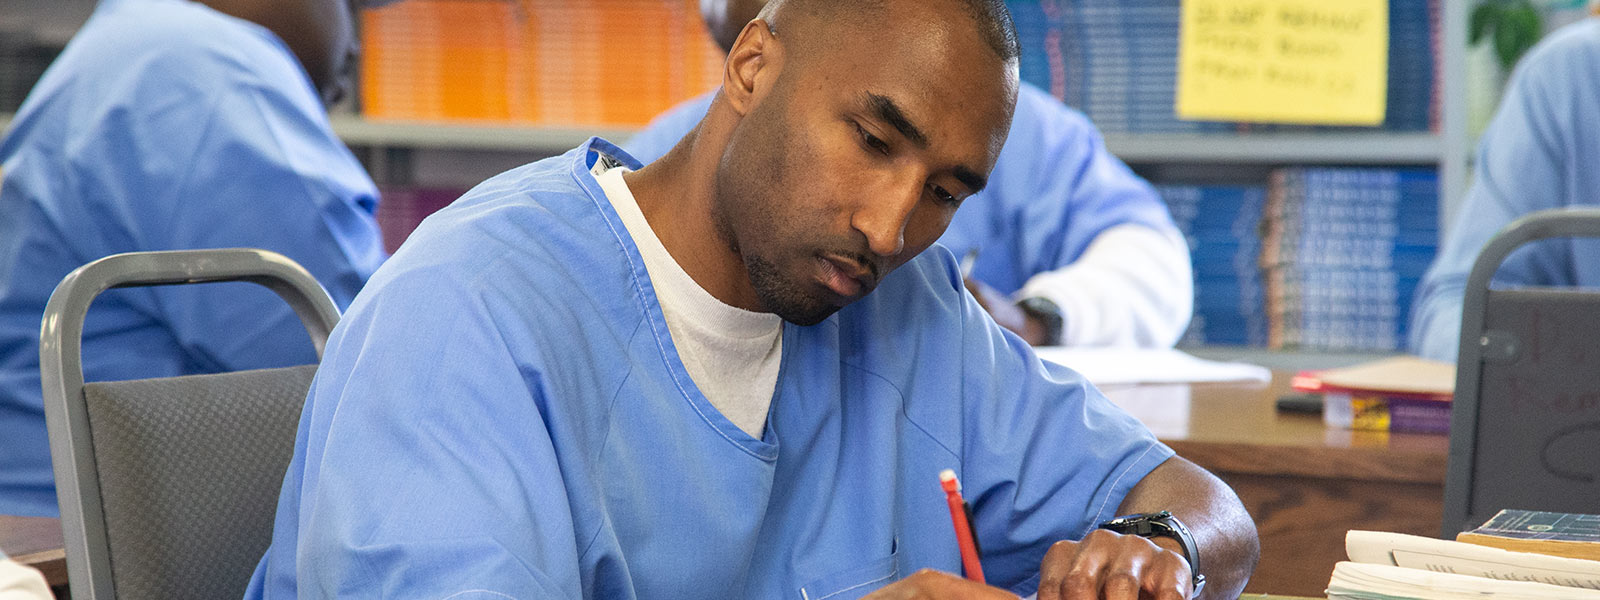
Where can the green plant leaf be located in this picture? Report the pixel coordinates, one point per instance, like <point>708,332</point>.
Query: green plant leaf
<point>1483,19</point>
<point>1518,30</point>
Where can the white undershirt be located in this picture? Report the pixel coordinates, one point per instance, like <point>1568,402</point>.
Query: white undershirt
<point>732,354</point>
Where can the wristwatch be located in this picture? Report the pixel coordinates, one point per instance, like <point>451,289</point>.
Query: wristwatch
<point>1162,524</point>
<point>1047,314</point>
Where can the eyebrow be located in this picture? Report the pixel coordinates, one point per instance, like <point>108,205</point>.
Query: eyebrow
<point>971,179</point>
<point>887,110</point>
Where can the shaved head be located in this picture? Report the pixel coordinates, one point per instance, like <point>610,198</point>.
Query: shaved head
<point>991,17</point>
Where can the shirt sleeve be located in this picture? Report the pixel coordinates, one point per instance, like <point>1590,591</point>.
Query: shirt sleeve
<point>262,170</point>
<point>1523,165</point>
<point>424,467</point>
<point>1066,190</point>
<point>1133,287</point>
<point>1046,456</point>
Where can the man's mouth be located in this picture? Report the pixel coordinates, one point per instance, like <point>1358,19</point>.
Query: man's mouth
<point>846,277</point>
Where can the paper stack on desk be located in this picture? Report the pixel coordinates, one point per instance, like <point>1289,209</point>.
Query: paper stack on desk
<point>1110,366</point>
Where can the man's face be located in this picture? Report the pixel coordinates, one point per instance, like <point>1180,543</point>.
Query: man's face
<point>858,157</point>
<point>322,34</point>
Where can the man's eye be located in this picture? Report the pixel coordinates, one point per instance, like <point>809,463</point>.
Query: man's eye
<point>941,195</point>
<point>871,141</point>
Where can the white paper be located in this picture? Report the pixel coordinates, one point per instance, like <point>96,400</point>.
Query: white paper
<point>1362,581</point>
<point>1445,556</point>
<point>1108,366</point>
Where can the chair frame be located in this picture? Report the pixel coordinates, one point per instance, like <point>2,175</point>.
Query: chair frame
<point>61,369</point>
<point>1476,348</point>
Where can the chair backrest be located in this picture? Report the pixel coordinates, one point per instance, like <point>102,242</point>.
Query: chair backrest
<point>1525,425</point>
<point>167,487</point>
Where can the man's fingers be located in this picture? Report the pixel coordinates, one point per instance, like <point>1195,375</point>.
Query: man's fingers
<point>1169,578</point>
<point>1108,566</point>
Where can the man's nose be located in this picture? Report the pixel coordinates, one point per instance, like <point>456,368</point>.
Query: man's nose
<point>883,217</point>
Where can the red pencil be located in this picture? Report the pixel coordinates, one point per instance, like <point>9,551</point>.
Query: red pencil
<point>961,516</point>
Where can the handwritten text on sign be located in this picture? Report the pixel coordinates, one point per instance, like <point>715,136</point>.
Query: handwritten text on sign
<point>1287,61</point>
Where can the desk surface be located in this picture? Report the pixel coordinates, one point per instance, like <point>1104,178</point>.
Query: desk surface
<point>1304,484</point>
<point>35,542</point>
<point>1237,427</point>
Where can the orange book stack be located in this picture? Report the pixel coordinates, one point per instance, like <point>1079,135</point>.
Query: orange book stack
<point>567,63</point>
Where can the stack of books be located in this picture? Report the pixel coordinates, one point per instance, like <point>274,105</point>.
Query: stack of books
<point>1117,61</point>
<point>1342,252</point>
<point>535,62</point>
<point>1220,224</point>
<point>1401,394</point>
<point>1392,566</point>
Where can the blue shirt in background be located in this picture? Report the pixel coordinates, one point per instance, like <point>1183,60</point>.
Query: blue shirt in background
<point>1054,188</point>
<point>1542,150</point>
<point>502,413</point>
<point>166,125</point>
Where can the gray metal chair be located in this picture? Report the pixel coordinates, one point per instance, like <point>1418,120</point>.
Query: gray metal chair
<point>167,487</point>
<point>1525,425</point>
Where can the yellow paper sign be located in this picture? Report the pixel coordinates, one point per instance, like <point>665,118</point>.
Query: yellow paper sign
<point>1284,61</point>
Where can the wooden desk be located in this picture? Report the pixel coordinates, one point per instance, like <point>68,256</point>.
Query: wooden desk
<point>36,542</point>
<point>1305,484</point>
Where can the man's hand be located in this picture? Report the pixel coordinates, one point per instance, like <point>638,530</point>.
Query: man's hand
<point>1007,313</point>
<point>1112,566</point>
<point>929,584</point>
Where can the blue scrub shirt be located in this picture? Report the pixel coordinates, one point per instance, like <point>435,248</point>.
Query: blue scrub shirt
<point>1054,188</point>
<point>1539,152</point>
<point>166,125</point>
<point>502,414</point>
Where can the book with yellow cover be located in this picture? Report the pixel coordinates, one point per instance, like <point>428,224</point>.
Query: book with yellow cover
<point>1555,534</point>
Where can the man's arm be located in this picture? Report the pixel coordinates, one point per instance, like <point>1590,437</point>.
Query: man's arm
<point>1110,566</point>
<point>1092,237</point>
<point>1522,166</point>
<point>1133,287</point>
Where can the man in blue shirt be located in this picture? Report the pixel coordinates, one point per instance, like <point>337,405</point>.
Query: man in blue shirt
<point>588,379</point>
<point>168,124</point>
<point>1068,246</point>
<point>1538,153</point>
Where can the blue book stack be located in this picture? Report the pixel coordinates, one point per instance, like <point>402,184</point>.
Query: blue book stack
<point>1117,61</point>
<point>1221,224</point>
<point>1342,252</point>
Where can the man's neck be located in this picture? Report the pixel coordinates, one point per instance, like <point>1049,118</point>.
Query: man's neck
<point>676,193</point>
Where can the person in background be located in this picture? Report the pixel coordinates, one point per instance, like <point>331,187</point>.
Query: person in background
<point>18,582</point>
<point>1539,152</point>
<point>735,373</point>
<point>1065,247</point>
<point>166,125</point>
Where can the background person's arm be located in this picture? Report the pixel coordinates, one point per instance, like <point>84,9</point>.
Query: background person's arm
<point>1133,287</point>
<point>1529,156</point>
<point>1065,220</point>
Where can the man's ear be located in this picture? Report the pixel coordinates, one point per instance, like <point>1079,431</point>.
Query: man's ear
<point>751,66</point>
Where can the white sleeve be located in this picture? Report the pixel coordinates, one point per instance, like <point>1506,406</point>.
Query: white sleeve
<point>1132,287</point>
<point>21,583</point>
